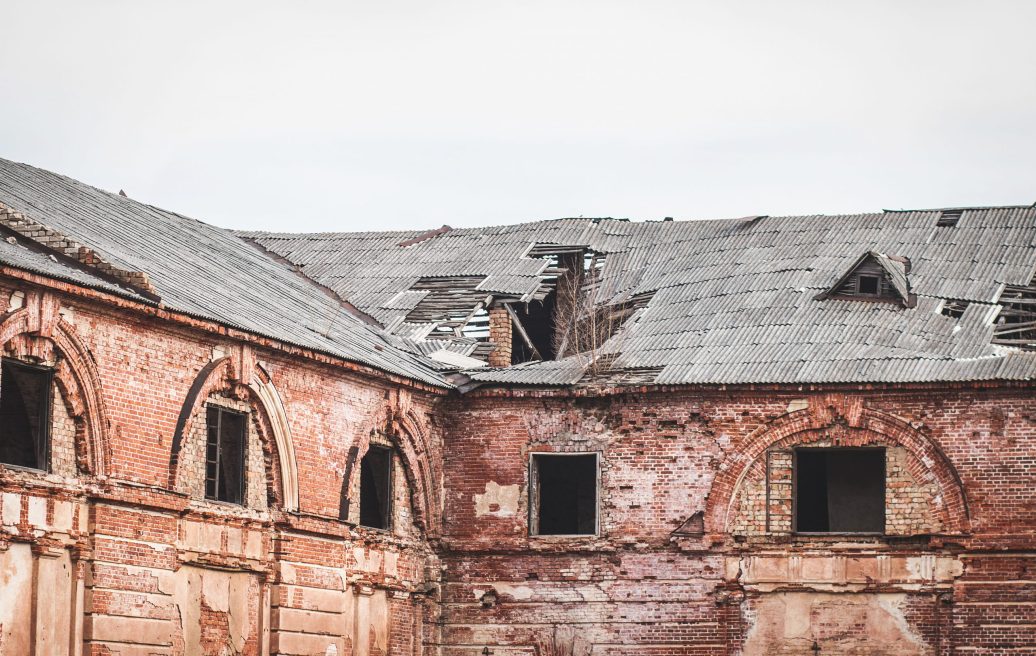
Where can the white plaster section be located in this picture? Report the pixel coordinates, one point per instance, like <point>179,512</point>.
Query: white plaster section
<point>50,577</point>
<point>790,622</point>
<point>199,590</point>
<point>16,583</point>
<point>497,500</point>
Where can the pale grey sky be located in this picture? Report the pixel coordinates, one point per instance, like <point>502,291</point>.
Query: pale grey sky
<point>410,114</point>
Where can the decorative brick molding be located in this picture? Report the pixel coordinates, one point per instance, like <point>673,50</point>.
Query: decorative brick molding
<point>240,377</point>
<point>842,422</point>
<point>76,375</point>
<point>407,430</point>
<point>58,242</point>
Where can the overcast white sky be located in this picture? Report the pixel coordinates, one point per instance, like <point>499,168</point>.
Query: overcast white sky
<point>410,114</point>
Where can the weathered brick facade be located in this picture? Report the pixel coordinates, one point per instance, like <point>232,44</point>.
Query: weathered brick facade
<point>118,552</point>
<point>693,555</point>
<point>116,546</point>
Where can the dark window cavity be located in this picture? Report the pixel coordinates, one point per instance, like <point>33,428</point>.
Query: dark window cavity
<point>225,455</point>
<point>564,494</point>
<point>25,415</point>
<point>840,490</point>
<point>376,488</point>
<point>869,285</point>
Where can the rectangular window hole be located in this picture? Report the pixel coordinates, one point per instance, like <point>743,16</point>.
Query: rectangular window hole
<point>869,285</point>
<point>840,490</point>
<point>225,455</point>
<point>376,488</point>
<point>564,494</point>
<point>25,415</point>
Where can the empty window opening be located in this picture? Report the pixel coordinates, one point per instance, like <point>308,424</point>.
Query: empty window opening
<point>533,334</point>
<point>376,488</point>
<point>840,490</point>
<point>949,218</point>
<point>564,494</point>
<point>225,455</point>
<point>25,415</point>
<point>869,285</point>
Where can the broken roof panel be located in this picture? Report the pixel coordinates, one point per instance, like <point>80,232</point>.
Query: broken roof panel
<point>720,302</point>
<point>735,298</point>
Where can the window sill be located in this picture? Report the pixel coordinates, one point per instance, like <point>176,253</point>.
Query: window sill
<point>22,468</point>
<point>833,534</point>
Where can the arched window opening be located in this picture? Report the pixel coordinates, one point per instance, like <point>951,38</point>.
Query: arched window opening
<point>376,488</point>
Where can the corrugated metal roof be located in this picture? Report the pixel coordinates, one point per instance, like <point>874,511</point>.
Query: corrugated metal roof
<point>724,301</point>
<point>734,299</point>
<point>197,268</point>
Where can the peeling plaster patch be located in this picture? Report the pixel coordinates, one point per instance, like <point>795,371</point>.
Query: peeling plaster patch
<point>515,592</point>
<point>16,583</point>
<point>788,623</point>
<point>797,404</point>
<point>200,591</point>
<point>497,501</point>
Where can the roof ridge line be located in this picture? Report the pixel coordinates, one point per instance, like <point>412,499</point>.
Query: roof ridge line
<point>297,270</point>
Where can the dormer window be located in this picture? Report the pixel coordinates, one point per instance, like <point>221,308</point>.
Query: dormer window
<point>875,277</point>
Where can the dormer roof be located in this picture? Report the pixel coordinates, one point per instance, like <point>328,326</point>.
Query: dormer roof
<point>875,277</point>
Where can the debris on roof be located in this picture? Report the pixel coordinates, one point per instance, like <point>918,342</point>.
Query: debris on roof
<point>713,302</point>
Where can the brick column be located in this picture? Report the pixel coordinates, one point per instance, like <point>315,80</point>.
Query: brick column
<point>500,337</point>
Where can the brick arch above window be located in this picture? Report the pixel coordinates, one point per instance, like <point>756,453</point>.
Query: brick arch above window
<point>843,423</point>
<point>406,429</point>
<point>226,375</point>
<point>40,328</point>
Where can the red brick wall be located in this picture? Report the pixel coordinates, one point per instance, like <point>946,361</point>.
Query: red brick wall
<point>666,457</point>
<point>141,568</point>
<point>122,563</point>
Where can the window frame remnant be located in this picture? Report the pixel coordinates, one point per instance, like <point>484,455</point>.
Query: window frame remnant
<point>383,488</point>
<point>872,287</point>
<point>216,447</point>
<point>799,454</point>
<point>536,494</point>
<point>10,371</point>
<point>1016,323</point>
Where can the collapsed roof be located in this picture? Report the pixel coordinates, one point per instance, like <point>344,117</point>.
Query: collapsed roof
<point>717,302</point>
<point>737,301</point>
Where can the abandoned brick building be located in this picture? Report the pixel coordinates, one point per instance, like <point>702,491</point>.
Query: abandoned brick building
<point>767,435</point>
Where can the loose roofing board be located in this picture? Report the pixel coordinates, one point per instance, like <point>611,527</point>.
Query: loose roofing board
<point>195,268</point>
<point>733,299</point>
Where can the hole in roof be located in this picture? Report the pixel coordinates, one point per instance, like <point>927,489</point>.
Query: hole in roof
<point>949,218</point>
<point>953,309</point>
